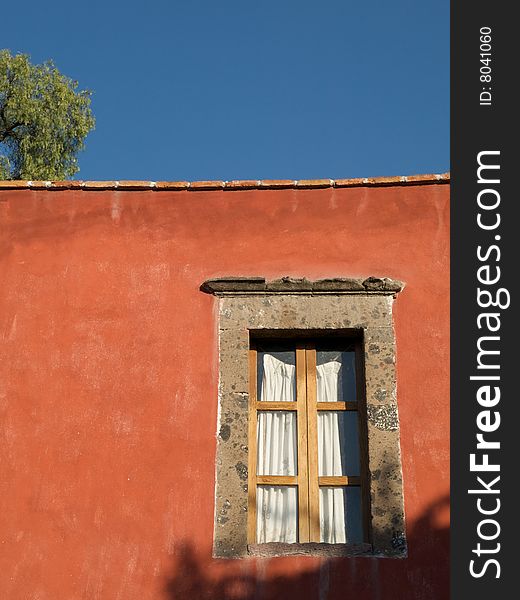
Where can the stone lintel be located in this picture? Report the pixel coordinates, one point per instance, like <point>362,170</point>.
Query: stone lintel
<point>238,286</point>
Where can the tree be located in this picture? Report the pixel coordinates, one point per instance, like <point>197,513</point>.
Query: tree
<point>44,120</point>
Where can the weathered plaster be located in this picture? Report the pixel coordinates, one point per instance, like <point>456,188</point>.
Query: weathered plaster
<point>247,304</point>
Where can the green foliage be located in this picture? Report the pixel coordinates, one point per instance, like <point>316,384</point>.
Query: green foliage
<point>43,120</point>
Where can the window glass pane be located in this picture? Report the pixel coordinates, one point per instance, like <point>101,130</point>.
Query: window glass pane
<point>276,514</point>
<point>276,438</point>
<point>341,515</point>
<point>338,443</point>
<point>276,376</point>
<point>336,376</point>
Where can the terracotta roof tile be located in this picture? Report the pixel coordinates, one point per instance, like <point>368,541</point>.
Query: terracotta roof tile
<point>269,184</point>
<point>135,185</point>
<point>65,185</point>
<point>275,184</point>
<point>350,182</point>
<point>99,185</point>
<point>172,185</point>
<point>241,184</point>
<point>13,185</point>
<point>206,185</point>
<point>314,183</point>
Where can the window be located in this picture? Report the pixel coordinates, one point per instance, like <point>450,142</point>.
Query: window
<point>307,460</point>
<point>314,321</point>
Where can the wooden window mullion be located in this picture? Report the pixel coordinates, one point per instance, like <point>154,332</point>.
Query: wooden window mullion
<point>276,405</point>
<point>312,451</point>
<point>303,473</point>
<point>339,480</point>
<point>276,480</point>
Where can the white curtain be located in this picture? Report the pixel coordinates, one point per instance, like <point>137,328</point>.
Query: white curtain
<point>332,515</point>
<point>329,382</point>
<point>276,509</point>
<point>340,515</point>
<point>278,379</point>
<point>330,456</point>
<point>277,506</point>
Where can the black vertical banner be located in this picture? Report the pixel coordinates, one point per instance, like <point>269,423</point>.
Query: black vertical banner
<point>485,263</point>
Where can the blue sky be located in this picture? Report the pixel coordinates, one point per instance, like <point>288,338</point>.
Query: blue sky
<point>271,89</point>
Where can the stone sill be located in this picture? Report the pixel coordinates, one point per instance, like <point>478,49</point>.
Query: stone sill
<point>309,549</point>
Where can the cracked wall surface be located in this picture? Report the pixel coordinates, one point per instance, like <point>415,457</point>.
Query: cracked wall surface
<point>371,313</point>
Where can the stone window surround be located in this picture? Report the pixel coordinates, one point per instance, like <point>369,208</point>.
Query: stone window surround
<point>249,304</point>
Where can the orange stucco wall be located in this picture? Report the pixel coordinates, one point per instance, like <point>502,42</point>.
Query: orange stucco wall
<point>108,388</point>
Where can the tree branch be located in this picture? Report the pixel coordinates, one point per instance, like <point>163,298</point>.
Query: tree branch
<point>9,131</point>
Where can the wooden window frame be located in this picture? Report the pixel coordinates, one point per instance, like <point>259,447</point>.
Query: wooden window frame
<point>306,407</point>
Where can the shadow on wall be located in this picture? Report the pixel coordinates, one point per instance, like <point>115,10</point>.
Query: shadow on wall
<point>423,575</point>
<point>193,580</point>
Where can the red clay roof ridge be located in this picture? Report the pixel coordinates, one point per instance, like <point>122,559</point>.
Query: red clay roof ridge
<point>257,184</point>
